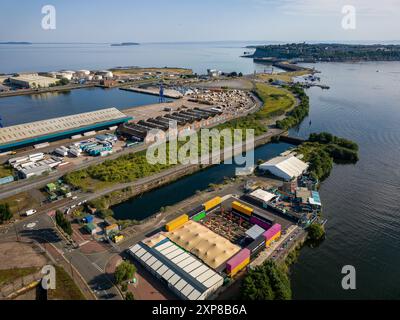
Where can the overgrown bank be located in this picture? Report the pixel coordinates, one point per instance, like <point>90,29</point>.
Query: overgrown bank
<point>323,149</point>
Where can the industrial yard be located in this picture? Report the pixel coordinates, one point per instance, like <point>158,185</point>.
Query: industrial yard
<point>226,235</point>
<point>220,238</point>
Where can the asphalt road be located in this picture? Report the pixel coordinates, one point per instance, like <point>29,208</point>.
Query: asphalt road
<point>41,229</point>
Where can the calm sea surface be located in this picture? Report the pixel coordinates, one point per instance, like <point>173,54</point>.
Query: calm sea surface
<point>360,201</point>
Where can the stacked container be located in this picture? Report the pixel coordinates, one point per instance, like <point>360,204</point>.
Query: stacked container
<point>195,211</point>
<point>256,246</point>
<point>176,223</point>
<point>199,216</point>
<point>272,234</point>
<point>240,207</point>
<point>211,204</point>
<point>238,262</point>
<point>263,224</point>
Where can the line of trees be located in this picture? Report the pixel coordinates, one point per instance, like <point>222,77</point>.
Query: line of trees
<point>266,282</point>
<point>63,223</point>
<point>5,213</point>
<point>297,115</point>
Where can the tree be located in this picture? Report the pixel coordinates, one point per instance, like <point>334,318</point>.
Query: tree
<point>316,232</point>
<point>124,271</point>
<point>5,213</point>
<point>63,222</point>
<point>63,81</point>
<point>266,282</point>
<point>129,296</point>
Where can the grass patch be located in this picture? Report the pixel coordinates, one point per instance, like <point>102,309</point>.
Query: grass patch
<point>276,101</point>
<point>20,202</point>
<point>66,289</point>
<point>9,275</point>
<point>6,170</point>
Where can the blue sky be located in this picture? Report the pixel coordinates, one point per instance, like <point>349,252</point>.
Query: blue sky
<point>198,20</point>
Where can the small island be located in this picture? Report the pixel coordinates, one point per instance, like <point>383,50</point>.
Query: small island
<point>124,44</point>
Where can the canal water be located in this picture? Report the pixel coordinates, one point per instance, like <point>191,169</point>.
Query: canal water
<point>150,203</point>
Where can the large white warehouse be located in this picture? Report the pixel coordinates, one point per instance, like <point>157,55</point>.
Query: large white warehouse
<point>186,276</point>
<point>287,167</point>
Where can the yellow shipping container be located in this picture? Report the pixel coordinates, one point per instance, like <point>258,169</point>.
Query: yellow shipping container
<point>118,239</point>
<point>242,208</point>
<point>239,267</point>
<point>212,203</point>
<point>172,225</point>
<point>275,237</point>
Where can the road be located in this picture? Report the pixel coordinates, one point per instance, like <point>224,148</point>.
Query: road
<point>41,229</point>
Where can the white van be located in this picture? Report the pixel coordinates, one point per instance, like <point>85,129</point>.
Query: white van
<point>30,212</point>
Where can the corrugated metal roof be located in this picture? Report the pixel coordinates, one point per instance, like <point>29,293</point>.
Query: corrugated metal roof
<point>193,281</point>
<point>255,231</point>
<point>263,195</point>
<point>45,127</point>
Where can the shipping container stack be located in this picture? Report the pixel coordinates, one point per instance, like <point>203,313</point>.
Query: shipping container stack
<point>256,246</point>
<point>238,262</point>
<point>241,208</point>
<point>272,234</point>
<point>176,223</point>
<point>211,204</point>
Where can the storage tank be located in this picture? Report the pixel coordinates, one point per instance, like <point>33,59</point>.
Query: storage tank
<point>176,223</point>
<point>240,207</point>
<point>238,262</point>
<point>212,203</point>
<point>272,234</point>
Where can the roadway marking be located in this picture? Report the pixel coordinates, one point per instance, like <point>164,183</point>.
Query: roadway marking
<point>97,267</point>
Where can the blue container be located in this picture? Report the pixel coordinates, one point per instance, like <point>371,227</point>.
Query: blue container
<point>7,179</point>
<point>89,219</point>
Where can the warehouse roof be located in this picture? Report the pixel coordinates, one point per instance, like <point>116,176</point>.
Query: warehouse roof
<point>210,247</point>
<point>263,195</point>
<point>45,127</point>
<point>255,231</point>
<point>290,165</point>
<point>182,271</point>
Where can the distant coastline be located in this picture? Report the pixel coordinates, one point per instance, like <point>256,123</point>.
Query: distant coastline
<point>303,52</point>
<point>16,42</point>
<point>124,44</point>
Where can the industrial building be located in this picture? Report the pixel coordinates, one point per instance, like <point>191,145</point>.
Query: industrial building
<point>186,276</point>
<point>285,167</point>
<point>26,134</point>
<point>210,247</point>
<point>190,119</point>
<point>32,80</point>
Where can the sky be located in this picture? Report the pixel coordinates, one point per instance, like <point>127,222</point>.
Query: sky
<point>199,20</point>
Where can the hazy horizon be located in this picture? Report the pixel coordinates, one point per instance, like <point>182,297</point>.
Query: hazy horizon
<point>176,21</point>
